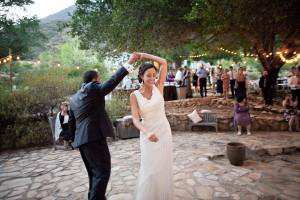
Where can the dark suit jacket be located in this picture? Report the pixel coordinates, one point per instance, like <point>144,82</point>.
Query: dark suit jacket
<point>88,119</point>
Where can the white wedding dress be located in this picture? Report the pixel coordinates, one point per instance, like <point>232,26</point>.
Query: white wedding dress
<point>155,181</point>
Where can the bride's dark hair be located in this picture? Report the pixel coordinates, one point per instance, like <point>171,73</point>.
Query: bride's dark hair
<point>143,68</point>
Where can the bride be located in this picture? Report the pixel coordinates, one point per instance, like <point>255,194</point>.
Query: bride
<point>155,181</point>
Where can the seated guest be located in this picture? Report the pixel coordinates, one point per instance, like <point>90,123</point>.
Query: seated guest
<point>241,115</point>
<point>62,126</point>
<point>291,112</point>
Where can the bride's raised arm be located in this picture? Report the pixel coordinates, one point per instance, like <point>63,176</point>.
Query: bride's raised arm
<point>162,70</point>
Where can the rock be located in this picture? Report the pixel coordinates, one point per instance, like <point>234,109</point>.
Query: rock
<point>204,192</point>
<point>274,151</point>
<point>123,196</point>
<point>16,182</point>
<point>79,189</point>
<point>221,194</point>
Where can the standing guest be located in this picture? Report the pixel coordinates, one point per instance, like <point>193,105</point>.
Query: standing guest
<point>294,84</point>
<point>126,83</point>
<point>241,115</point>
<point>291,112</point>
<point>62,126</point>
<point>213,79</point>
<point>202,80</point>
<point>171,76</point>
<point>232,77</point>
<point>219,81</point>
<point>187,82</point>
<point>266,88</point>
<point>195,81</point>
<point>179,77</point>
<point>241,83</point>
<point>226,80</point>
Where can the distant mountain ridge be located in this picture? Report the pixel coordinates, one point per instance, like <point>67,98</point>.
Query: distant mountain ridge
<point>61,16</point>
<point>50,27</point>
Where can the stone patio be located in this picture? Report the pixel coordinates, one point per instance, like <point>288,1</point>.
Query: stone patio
<point>201,170</point>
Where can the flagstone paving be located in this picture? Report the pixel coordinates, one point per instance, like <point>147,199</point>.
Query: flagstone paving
<point>201,171</point>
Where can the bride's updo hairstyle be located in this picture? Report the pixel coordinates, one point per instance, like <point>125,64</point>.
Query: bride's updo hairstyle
<point>143,68</point>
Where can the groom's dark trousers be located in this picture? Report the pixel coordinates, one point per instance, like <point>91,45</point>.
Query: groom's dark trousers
<point>91,125</point>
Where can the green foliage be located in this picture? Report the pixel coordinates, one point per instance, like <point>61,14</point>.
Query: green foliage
<point>23,113</point>
<point>68,54</point>
<point>19,35</point>
<point>182,27</point>
<point>118,106</point>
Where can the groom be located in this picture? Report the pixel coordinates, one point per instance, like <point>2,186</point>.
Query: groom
<point>91,125</point>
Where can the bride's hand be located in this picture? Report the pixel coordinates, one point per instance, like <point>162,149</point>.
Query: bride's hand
<point>153,138</point>
<point>141,55</point>
<point>134,57</point>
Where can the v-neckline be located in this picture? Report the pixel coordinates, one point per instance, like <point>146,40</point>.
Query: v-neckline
<point>150,96</point>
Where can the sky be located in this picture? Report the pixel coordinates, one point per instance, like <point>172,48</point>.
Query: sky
<point>41,8</point>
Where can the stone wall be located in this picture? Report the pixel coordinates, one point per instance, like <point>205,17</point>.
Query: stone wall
<point>271,120</point>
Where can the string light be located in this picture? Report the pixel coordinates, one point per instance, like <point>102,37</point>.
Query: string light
<point>295,59</point>
<point>78,67</point>
<point>58,65</point>
<point>8,58</point>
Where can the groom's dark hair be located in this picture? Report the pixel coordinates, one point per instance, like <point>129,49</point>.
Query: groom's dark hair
<point>88,76</point>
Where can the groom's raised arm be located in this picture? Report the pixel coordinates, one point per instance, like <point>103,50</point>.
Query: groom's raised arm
<point>113,81</point>
<point>117,77</point>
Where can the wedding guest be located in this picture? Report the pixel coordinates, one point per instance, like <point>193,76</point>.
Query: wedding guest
<point>226,80</point>
<point>187,82</point>
<point>294,84</point>
<point>219,82</point>
<point>171,76</point>
<point>266,88</point>
<point>179,77</point>
<point>62,126</point>
<point>202,80</point>
<point>126,83</point>
<point>232,75</point>
<point>241,83</point>
<point>213,79</point>
<point>291,112</point>
<point>241,115</point>
<point>195,82</point>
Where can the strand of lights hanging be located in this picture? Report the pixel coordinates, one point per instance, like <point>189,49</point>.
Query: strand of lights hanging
<point>294,59</point>
<point>8,58</point>
<point>237,53</point>
<point>195,56</point>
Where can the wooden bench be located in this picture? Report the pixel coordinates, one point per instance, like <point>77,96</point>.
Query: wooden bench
<point>208,119</point>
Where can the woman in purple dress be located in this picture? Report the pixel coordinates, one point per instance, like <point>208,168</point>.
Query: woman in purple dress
<point>242,116</point>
